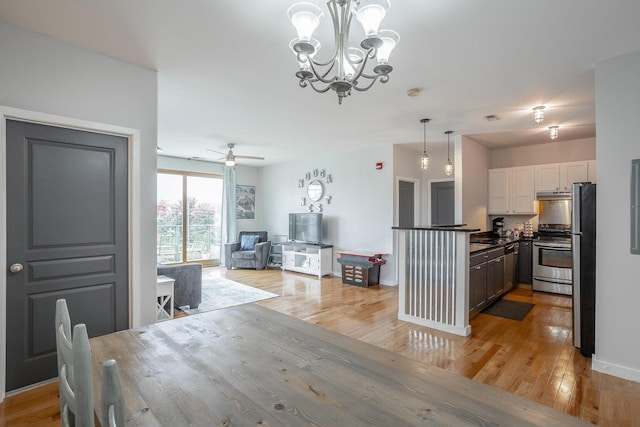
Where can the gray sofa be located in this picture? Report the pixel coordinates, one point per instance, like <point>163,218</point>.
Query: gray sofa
<point>187,288</point>
<point>257,258</point>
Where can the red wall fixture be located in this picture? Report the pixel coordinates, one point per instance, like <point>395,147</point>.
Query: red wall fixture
<point>379,165</point>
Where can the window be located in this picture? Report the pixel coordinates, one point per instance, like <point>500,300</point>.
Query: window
<point>189,217</point>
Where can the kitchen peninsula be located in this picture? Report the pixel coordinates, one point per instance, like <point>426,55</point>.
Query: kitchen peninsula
<point>434,277</point>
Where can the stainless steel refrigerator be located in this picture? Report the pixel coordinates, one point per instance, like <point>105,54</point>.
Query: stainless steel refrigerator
<point>583,245</point>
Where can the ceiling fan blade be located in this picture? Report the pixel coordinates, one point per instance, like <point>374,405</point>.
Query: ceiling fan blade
<point>219,152</point>
<point>249,157</point>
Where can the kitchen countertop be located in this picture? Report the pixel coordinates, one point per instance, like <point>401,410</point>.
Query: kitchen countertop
<point>477,247</point>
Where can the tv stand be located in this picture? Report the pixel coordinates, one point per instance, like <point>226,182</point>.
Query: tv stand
<point>308,258</point>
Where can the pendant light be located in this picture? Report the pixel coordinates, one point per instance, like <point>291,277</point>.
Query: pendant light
<point>553,132</point>
<point>424,159</point>
<point>538,114</point>
<point>448,168</point>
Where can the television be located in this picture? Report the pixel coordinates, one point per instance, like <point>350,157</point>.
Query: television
<point>305,227</point>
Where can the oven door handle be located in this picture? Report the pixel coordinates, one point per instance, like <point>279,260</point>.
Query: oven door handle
<point>559,248</point>
<point>560,281</point>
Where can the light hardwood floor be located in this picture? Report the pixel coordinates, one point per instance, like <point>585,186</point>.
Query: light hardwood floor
<point>533,358</point>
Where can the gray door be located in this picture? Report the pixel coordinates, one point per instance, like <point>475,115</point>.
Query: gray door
<point>442,203</point>
<point>406,204</point>
<point>67,227</point>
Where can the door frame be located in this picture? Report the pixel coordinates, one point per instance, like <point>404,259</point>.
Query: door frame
<point>134,220</point>
<point>396,214</point>
<point>428,207</point>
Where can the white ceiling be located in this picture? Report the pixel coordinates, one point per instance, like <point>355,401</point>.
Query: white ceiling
<point>226,74</point>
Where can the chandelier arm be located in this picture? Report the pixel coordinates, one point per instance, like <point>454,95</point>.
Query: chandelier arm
<point>326,89</point>
<point>319,76</point>
<point>383,77</point>
<point>373,80</point>
<point>363,63</point>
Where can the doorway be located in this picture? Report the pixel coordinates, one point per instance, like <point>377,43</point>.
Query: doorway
<point>67,237</point>
<point>407,202</point>
<point>189,217</point>
<point>442,200</point>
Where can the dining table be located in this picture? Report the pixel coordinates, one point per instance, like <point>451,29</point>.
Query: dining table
<point>248,365</point>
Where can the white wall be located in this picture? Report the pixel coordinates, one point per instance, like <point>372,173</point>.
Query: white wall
<point>41,75</point>
<point>552,152</point>
<point>617,271</point>
<point>245,175</point>
<point>360,215</point>
<point>471,182</point>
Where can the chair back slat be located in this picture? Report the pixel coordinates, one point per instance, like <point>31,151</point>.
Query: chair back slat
<point>74,370</point>
<point>112,402</point>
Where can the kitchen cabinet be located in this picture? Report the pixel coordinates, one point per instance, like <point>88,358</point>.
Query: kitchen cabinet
<point>477,287</point>
<point>495,277</point>
<point>486,278</point>
<point>512,191</point>
<point>561,176</point>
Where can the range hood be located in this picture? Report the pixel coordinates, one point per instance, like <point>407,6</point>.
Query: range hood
<point>554,195</point>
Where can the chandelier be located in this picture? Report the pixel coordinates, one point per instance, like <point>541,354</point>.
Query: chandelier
<point>346,68</point>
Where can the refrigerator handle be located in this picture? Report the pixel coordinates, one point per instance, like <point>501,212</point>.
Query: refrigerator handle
<point>576,201</point>
<point>575,246</point>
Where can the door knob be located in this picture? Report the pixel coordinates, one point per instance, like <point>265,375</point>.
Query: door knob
<point>16,268</point>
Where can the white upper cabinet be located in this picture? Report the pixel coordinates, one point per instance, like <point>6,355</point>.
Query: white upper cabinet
<point>560,176</point>
<point>523,193</point>
<point>511,191</point>
<point>547,177</point>
<point>499,190</point>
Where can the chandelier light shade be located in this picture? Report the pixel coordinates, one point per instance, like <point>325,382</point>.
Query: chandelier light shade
<point>448,168</point>
<point>346,68</point>
<point>553,132</point>
<point>538,114</point>
<point>424,159</point>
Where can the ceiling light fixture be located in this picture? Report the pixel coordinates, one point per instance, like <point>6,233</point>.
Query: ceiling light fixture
<point>553,132</point>
<point>538,114</point>
<point>424,159</point>
<point>347,63</point>
<point>448,168</point>
<point>230,160</point>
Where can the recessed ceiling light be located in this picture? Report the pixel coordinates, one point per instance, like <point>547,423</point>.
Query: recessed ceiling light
<point>492,118</point>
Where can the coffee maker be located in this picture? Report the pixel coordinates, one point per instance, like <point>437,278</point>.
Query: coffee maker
<point>498,226</point>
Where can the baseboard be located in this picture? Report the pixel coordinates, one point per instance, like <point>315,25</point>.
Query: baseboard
<point>615,370</point>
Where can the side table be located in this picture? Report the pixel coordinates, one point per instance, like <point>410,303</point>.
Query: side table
<point>164,298</point>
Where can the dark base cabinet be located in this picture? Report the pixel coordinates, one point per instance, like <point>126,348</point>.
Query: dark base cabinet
<point>477,287</point>
<point>486,278</point>
<point>525,260</point>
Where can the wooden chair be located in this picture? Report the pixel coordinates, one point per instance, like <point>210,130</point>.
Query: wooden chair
<point>74,370</point>
<point>75,377</point>
<point>112,402</point>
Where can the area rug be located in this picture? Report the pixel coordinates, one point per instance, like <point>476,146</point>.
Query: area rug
<point>514,310</point>
<point>219,292</point>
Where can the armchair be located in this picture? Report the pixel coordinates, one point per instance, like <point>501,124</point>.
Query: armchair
<point>250,251</point>
<point>187,288</point>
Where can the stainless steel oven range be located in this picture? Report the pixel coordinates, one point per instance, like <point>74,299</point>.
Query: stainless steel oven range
<point>552,265</point>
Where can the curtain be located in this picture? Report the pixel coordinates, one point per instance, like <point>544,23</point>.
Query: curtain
<point>229,224</point>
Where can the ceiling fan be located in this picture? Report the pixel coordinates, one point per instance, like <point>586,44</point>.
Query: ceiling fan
<point>230,158</point>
